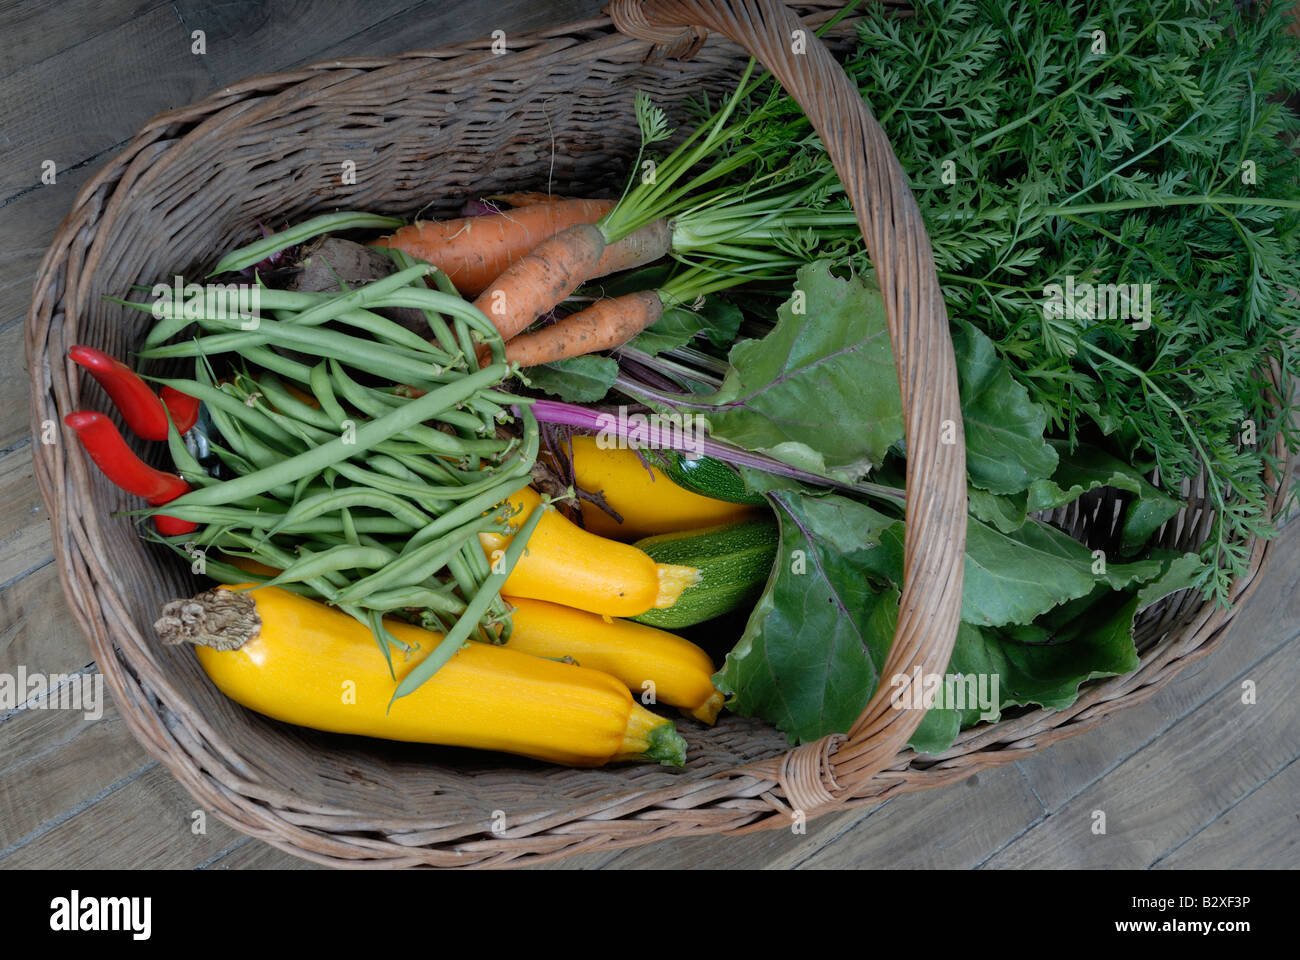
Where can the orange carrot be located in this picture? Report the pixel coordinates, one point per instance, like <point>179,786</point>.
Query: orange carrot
<point>534,284</point>
<point>474,251</point>
<point>602,326</point>
<point>643,246</point>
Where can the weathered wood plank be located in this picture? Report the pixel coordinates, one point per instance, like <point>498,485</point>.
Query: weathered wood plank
<point>35,30</point>
<point>15,387</point>
<point>1261,832</point>
<point>96,94</point>
<point>247,37</point>
<point>1181,780</point>
<point>433,24</point>
<point>253,854</point>
<point>27,226</point>
<point>37,629</point>
<point>52,761</point>
<point>1271,615</point>
<point>953,827</point>
<point>775,849</point>
<point>144,824</point>
<point>25,542</point>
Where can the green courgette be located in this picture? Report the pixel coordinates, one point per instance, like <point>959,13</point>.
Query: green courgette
<point>706,476</point>
<point>734,561</point>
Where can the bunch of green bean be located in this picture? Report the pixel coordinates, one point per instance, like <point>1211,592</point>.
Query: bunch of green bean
<point>371,497</point>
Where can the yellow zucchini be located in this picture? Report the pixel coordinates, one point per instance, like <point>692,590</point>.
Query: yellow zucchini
<point>568,565</point>
<point>306,663</point>
<point>681,673</point>
<point>643,495</point>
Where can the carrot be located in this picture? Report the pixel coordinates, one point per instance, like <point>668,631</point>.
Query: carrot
<point>646,245</point>
<point>650,243</point>
<point>534,284</point>
<point>474,251</point>
<point>602,326</point>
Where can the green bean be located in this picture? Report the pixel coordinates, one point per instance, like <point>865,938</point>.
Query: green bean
<point>301,488</point>
<point>259,250</point>
<point>474,611</point>
<point>330,561</point>
<point>479,568</point>
<point>324,503</point>
<point>444,303</point>
<point>271,524</point>
<point>431,468</point>
<point>418,492</point>
<point>375,324</point>
<point>367,403</point>
<point>460,572</point>
<point>273,556</point>
<point>401,597</point>
<point>455,418</point>
<point>184,461</point>
<point>311,436</point>
<point>363,354</point>
<point>246,444</point>
<point>230,575</point>
<point>335,303</point>
<point>265,357</point>
<point>164,329</point>
<point>404,260</point>
<point>414,566</point>
<point>507,399</point>
<point>464,512</point>
<point>233,461</point>
<point>324,392</point>
<point>367,435</point>
<point>217,399</point>
<point>454,307</point>
<point>392,468</point>
<point>290,406</point>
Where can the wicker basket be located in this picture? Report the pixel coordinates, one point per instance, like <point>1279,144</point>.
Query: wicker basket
<point>551,113</point>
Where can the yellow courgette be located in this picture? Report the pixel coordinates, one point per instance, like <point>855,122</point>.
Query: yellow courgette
<point>568,565</point>
<point>645,658</point>
<point>303,662</point>
<point>643,495</point>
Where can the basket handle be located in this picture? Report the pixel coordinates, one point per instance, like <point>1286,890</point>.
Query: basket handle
<point>821,773</point>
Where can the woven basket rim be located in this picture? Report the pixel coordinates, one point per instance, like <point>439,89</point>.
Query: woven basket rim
<point>757,798</point>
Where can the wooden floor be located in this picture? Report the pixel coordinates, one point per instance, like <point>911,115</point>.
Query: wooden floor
<point>1194,777</point>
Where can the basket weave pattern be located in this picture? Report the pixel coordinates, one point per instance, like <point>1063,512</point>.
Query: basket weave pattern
<point>554,114</point>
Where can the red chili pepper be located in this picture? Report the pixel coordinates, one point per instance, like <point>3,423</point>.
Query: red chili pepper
<point>141,408</point>
<point>139,405</point>
<point>183,408</point>
<point>111,454</point>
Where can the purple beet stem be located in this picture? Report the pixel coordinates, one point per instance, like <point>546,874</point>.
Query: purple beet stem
<point>571,415</point>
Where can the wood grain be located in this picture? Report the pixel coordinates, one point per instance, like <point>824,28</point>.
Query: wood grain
<point>247,37</point>
<point>1270,616</point>
<point>144,824</point>
<point>952,828</point>
<point>768,849</point>
<point>1169,789</point>
<point>25,542</point>
<point>15,388</point>
<point>52,761</point>
<point>36,29</point>
<point>27,225</point>
<point>1262,831</point>
<point>37,629</point>
<point>253,854</point>
<point>434,23</point>
<point>94,95</point>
